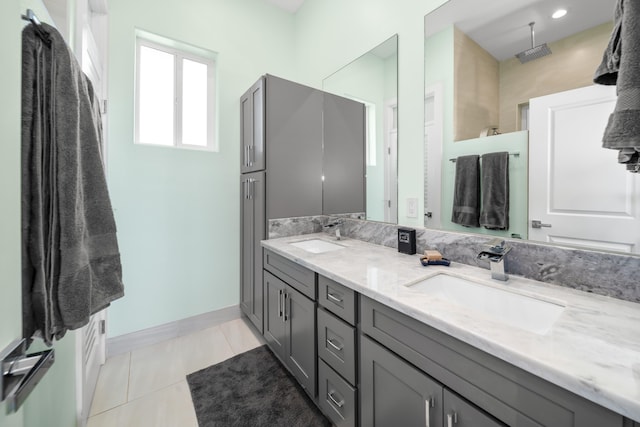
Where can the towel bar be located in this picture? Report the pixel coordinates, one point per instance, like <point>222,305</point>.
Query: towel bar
<point>516,154</point>
<point>21,372</point>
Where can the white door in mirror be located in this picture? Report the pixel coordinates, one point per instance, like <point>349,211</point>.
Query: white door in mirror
<point>575,185</point>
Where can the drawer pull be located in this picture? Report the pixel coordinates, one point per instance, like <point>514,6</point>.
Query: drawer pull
<point>280,303</point>
<point>333,297</point>
<point>332,344</point>
<point>339,404</point>
<point>452,418</point>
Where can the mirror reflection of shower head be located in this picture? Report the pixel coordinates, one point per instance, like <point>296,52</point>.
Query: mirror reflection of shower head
<point>536,51</point>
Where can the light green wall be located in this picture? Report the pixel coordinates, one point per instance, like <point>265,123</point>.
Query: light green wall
<point>10,302</point>
<point>356,26</point>
<point>178,210</point>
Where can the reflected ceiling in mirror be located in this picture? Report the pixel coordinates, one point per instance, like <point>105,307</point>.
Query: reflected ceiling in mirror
<point>480,98</point>
<point>372,79</point>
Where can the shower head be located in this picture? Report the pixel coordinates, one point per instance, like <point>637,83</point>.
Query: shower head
<point>536,51</point>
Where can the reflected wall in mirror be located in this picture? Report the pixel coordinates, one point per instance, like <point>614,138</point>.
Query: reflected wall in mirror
<point>372,79</point>
<point>544,110</point>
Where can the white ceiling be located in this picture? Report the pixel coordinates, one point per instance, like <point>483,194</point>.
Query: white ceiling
<point>502,26</point>
<point>291,6</point>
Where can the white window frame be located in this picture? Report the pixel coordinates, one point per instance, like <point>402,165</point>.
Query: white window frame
<point>180,52</point>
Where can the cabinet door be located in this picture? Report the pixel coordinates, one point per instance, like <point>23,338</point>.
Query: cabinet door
<point>301,355</point>
<point>394,393</point>
<point>343,188</point>
<point>275,329</point>
<point>252,231</point>
<point>460,413</point>
<point>252,128</point>
<point>294,153</point>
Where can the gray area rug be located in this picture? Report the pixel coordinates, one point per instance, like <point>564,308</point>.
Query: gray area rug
<point>251,389</point>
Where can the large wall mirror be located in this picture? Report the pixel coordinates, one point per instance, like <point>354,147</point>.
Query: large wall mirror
<point>372,79</point>
<point>507,76</point>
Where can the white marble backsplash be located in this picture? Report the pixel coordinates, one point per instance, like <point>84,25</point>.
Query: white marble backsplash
<point>609,274</point>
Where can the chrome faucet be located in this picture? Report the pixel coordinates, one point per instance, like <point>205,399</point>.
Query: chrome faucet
<point>336,223</point>
<point>495,251</point>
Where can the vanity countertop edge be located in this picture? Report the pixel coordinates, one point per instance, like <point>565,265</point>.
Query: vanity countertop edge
<point>592,350</point>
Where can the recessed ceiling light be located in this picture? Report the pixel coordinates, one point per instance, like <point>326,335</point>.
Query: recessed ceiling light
<point>559,13</point>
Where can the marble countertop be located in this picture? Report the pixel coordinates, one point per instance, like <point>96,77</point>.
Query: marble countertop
<point>592,350</point>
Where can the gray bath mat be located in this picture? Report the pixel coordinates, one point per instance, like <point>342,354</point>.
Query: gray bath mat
<point>251,389</point>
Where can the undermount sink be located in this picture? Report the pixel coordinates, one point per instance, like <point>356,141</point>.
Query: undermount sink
<point>505,306</point>
<point>317,246</point>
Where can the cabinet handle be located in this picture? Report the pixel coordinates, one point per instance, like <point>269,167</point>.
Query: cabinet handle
<point>333,297</point>
<point>337,347</point>
<point>246,155</point>
<point>250,149</point>
<point>280,303</point>
<point>428,404</point>
<point>452,418</point>
<point>285,317</point>
<point>283,298</point>
<point>339,404</point>
<point>250,188</point>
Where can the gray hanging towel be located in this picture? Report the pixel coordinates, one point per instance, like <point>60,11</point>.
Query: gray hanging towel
<point>466,191</point>
<point>495,191</point>
<point>71,261</point>
<point>621,67</point>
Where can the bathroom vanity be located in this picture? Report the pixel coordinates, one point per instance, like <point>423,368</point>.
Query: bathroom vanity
<point>381,340</point>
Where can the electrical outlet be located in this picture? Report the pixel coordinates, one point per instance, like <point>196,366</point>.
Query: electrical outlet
<point>412,207</point>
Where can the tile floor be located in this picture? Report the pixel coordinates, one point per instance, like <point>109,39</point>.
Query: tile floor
<point>148,386</point>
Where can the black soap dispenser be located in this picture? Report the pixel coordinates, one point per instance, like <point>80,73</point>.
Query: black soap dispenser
<point>407,241</point>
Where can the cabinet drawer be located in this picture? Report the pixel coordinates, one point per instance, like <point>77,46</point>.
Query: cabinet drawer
<point>297,276</point>
<point>337,399</point>
<point>508,393</point>
<point>338,299</point>
<point>337,344</point>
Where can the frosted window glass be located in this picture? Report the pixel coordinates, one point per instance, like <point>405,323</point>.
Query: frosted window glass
<point>194,103</point>
<point>156,97</point>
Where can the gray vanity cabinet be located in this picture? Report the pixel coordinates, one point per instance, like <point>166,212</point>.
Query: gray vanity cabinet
<point>393,392</point>
<point>396,393</point>
<point>252,207</point>
<point>290,319</point>
<point>274,324</point>
<point>337,352</point>
<point>502,393</point>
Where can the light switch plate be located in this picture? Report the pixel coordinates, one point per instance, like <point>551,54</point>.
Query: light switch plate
<point>412,207</point>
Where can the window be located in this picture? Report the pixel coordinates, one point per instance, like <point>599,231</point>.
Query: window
<point>175,94</point>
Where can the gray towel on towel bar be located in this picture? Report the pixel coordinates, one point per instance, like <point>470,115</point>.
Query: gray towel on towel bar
<point>621,67</point>
<point>495,191</point>
<point>71,262</point>
<point>466,193</point>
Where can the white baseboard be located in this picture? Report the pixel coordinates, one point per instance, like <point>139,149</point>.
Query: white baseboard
<point>127,342</point>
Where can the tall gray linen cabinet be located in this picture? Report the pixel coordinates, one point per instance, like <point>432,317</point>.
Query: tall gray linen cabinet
<point>282,131</point>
